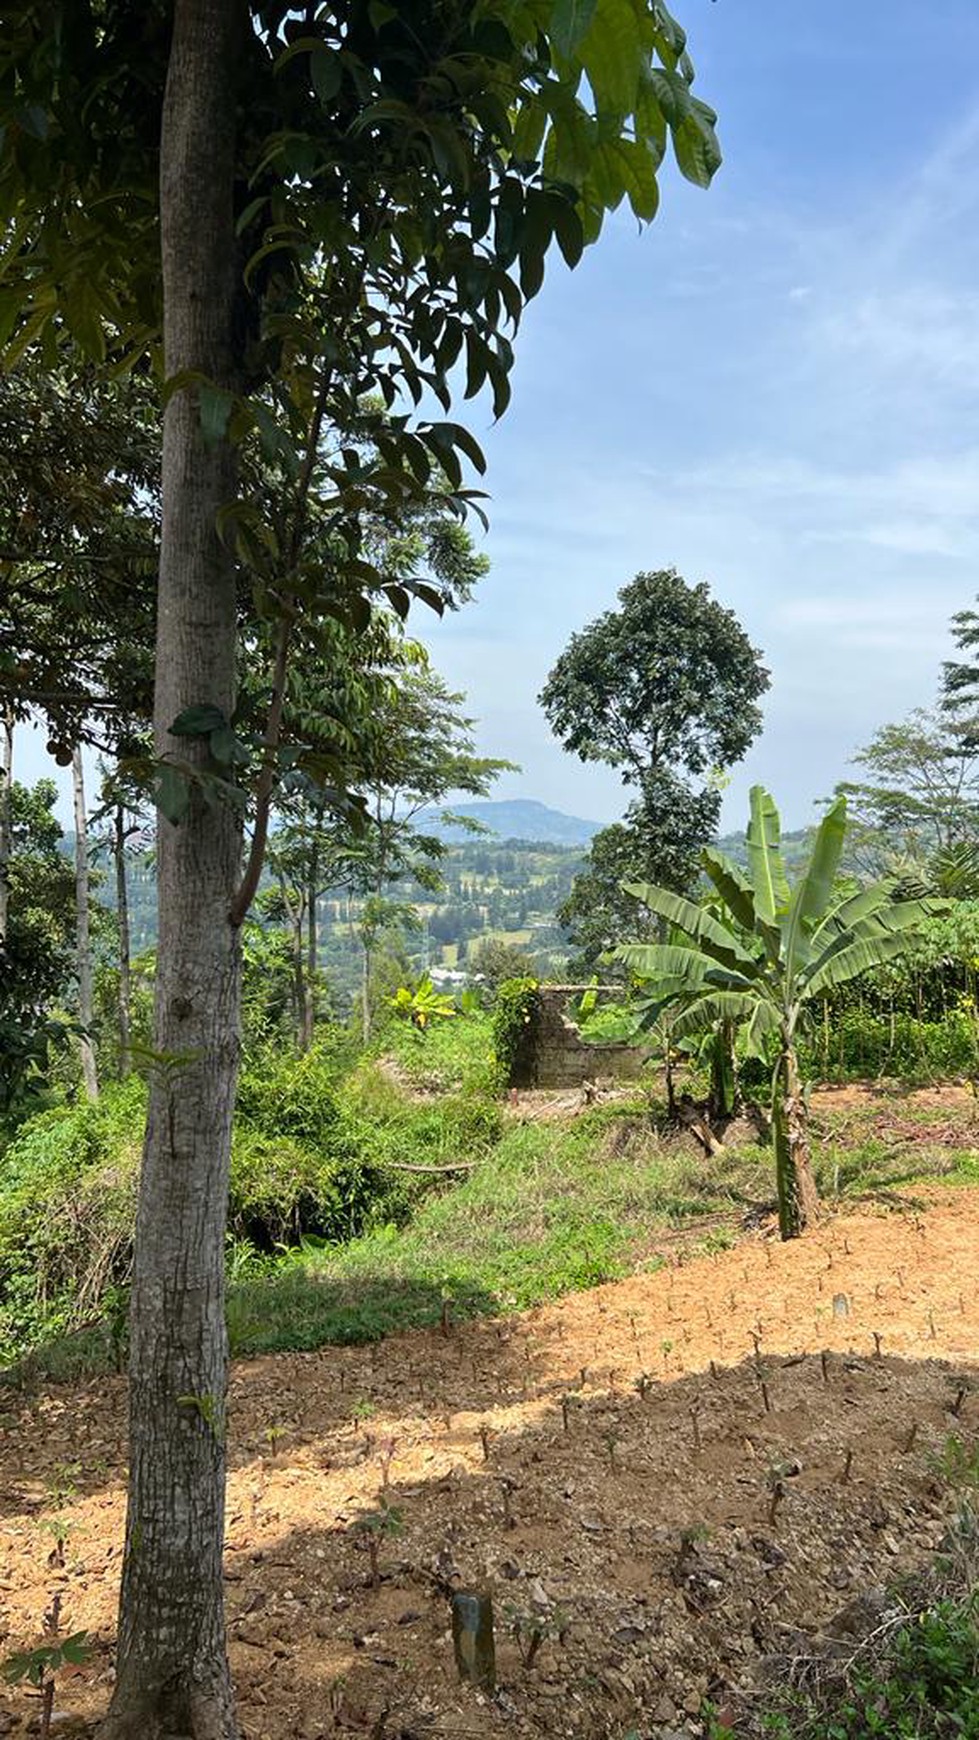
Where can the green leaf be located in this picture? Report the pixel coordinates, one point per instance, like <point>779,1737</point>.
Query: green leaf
<point>613,56</point>
<point>765,867</point>
<point>731,886</point>
<point>172,792</point>
<point>698,153</point>
<point>568,231</point>
<point>198,721</point>
<point>570,22</point>
<point>812,895</point>
<point>326,72</point>
<point>846,963</point>
<point>854,910</point>
<point>712,1007</point>
<point>696,921</point>
<point>215,405</point>
<point>658,961</point>
<point>76,1648</point>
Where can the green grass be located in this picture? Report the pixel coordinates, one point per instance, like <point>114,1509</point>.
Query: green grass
<point>336,1147</point>
<point>550,1210</point>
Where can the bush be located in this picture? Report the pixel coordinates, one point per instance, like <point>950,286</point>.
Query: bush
<point>513,1023</point>
<point>67,1210</point>
<point>858,1044</point>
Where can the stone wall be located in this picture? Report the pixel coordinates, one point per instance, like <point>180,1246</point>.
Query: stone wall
<point>553,1054</point>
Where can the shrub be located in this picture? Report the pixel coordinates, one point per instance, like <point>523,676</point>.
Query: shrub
<point>857,1044</point>
<point>513,1020</point>
<point>67,1210</point>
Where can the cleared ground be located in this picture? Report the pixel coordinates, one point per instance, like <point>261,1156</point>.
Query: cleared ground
<point>802,1417</point>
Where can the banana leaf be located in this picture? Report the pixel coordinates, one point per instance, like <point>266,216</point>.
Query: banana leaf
<point>701,926</point>
<point>812,895</point>
<point>840,965</point>
<point>765,867</point>
<point>711,1007</point>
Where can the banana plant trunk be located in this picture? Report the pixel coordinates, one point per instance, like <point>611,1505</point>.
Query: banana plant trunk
<point>723,1093</point>
<point>798,1200</point>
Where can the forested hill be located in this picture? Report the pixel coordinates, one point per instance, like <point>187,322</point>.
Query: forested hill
<point>512,819</point>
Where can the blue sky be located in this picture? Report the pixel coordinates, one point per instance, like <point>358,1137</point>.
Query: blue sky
<point>774,388</point>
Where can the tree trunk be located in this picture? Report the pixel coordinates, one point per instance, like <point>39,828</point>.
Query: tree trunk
<point>365,993</point>
<point>6,817</point>
<point>83,930</point>
<point>312,952</point>
<point>798,1202</point>
<point>172,1675</point>
<point>122,913</point>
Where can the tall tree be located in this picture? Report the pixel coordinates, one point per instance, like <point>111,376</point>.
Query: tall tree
<point>960,680</point>
<point>347,202</point>
<point>919,794</point>
<point>37,949</point>
<point>6,810</point>
<point>666,689</point>
<point>83,930</point>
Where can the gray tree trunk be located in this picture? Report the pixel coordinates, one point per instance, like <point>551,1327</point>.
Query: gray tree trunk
<point>83,930</point>
<point>172,1668</point>
<point>122,913</point>
<point>6,818</point>
<point>312,957</point>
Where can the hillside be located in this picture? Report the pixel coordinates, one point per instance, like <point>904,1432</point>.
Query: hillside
<point>675,1486</point>
<point>523,819</point>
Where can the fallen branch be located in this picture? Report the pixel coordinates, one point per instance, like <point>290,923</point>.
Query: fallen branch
<point>408,1166</point>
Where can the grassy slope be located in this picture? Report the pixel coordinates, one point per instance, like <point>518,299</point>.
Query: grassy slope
<point>547,1207</point>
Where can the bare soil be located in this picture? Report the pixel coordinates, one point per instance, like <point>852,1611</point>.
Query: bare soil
<point>780,1458</point>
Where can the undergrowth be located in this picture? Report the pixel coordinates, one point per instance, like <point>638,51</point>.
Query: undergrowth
<point>381,1190</point>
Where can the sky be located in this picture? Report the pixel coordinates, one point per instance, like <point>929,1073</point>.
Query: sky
<point>773,388</point>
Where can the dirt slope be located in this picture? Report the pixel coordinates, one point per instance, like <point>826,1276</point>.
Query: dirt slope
<point>678,1538</point>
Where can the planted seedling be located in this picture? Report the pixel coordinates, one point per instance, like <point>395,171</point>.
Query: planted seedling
<point>508,1487</point>
<point>957,1463</point>
<point>611,1440</point>
<point>532,1628</point>
<point>61,1486</point>
<point>59,1528</point>
<point>386,1457</point>
<point>776,1488</point>
<point>644,1384</point>
<point>374,1526</point>
<point>40,1666</point>
<point>274,1435</point>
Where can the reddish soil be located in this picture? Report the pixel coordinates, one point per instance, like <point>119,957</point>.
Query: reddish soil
<point>680,1539</point>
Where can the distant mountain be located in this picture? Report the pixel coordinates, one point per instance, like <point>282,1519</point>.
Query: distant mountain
<point>513,819</point>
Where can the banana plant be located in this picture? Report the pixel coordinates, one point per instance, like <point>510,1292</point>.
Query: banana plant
<point>762,955</point>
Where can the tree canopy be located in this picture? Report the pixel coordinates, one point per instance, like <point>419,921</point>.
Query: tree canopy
<point>666,689</point>
<point>668,680</point>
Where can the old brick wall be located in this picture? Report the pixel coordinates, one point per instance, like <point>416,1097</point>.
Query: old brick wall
<point>554,1055</point>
